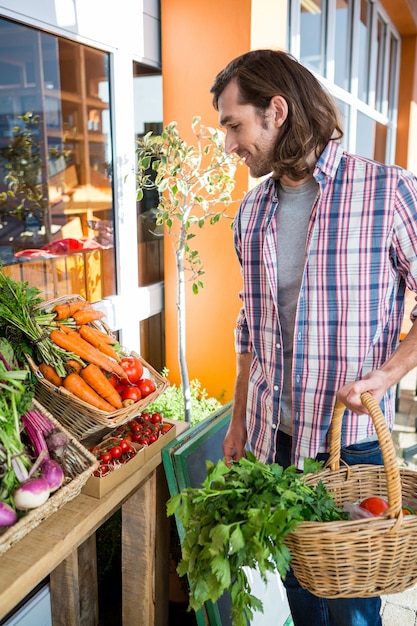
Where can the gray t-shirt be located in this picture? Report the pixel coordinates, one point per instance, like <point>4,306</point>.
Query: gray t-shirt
<point>295,204</point>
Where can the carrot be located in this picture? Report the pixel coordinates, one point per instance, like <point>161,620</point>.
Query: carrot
<point>105,338</point>
<point>74,383</point>
<point>74,343</point>
<point>86,315</point>
<point>95,377</point>
<point>73,366</point>
<point>49,373</point>
<point>88,333</point>
<point>66,310</point>
<point>66,329</point>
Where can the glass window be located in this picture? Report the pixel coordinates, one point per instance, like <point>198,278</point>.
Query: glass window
<point>56,197</point>
<point>148,118</point>
<point>342,46</point>
<point>362,61</point>
<point>312,35</point>
<point>371,138</point>
<point>363,50</point>
<point>380,98</point>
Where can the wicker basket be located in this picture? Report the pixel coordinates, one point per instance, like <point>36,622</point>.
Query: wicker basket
<point>367,557</point>
<point>78,466</point>
<point>79,417</point>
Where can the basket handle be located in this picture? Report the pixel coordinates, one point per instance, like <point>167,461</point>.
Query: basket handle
<point>392,470</point>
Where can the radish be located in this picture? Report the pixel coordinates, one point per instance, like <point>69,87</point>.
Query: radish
<point>52,472</point>
<point>31,494</point>
<point>8,515</point>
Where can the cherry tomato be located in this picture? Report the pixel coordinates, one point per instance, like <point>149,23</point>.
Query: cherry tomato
<point>153,438</point>
<point>116,452</point>
<point>125,445</point>
<point>146,386</point>
<point>145,417</point>
<point>131,392</point>
<point>106,457</point>
<point>156,418</point>
<point>165,428</point>
<point>375,506</point>
<point>144,440</point>
<point>133,368</point>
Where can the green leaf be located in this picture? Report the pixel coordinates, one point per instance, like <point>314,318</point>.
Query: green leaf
<point>237,541</point>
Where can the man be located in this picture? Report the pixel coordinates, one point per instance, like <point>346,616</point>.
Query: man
<point>327,246</point>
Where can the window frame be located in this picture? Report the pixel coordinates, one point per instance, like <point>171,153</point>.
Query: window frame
<point>377,109</point>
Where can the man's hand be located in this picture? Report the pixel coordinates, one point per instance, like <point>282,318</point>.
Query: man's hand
<point>376,383</point>
<point>234,442</point>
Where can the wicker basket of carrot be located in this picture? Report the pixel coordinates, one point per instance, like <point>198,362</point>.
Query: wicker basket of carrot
<point>94,383</point>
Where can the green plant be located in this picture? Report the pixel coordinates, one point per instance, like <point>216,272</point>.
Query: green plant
<point>193,182</point>
<point>26,194</point>
<point>240,518</point>
<point>171,402</point>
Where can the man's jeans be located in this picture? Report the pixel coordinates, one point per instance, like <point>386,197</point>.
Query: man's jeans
<point>306,608</point>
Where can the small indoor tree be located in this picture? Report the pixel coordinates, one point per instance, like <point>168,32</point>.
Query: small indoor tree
<point>195,185</point>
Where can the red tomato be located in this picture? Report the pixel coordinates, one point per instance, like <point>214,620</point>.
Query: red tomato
<point>144,440</point>
<point>133,368</point>
<point>125,445</point>
<point>113,379</point>
<point>375,506</point>
<point>146,386</point>
<point>146,416</point>
<point>131,392</point>
<point>116,452</point>
<point>153,438</point>
<point>106,457</point>
<point>156,418</point>
<point>165,428</point>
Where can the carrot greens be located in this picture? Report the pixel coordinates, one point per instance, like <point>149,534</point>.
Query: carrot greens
<point>25,325</point>
<point>240,518</point>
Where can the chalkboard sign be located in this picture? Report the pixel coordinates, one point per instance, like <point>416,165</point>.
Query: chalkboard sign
<point>184,461</point>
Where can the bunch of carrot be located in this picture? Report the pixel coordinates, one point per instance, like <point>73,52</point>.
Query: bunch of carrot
<point>91,357</point>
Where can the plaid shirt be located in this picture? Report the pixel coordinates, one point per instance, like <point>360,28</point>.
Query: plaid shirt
<point>361,253</point>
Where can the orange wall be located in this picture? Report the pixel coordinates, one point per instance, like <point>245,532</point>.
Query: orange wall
<point>198,40</point>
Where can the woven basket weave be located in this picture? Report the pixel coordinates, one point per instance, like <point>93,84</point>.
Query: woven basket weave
<point>367,557</point>
<point>78,466</point>
<point>79,417</point>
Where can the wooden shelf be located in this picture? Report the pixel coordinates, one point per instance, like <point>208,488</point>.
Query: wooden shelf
<point>54,548</point>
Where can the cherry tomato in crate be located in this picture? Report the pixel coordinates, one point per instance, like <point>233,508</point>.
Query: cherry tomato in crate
<point>156,418</point>
<point>125,445</point>
<point>106,457</point>
<point>133,368</point>
<point>116,452</point>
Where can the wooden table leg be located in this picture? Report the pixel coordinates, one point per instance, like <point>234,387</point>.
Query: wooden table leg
<point>145,546</point>
<point>138,555</point>
<point>74,590</point>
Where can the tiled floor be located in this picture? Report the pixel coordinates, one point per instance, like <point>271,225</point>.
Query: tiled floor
<point>401,608</point>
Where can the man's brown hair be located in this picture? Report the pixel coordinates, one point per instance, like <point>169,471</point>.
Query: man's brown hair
<point>312,115</point>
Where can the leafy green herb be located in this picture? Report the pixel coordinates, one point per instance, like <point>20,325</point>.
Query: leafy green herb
<point>240,517</point>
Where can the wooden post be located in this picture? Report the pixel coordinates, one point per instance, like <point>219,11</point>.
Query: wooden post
<point>74,591</point>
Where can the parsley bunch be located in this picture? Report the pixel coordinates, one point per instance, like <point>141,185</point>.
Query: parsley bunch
<point>239,518</point>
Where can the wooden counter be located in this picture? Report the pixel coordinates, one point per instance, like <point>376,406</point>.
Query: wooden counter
<point>63,546</point>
